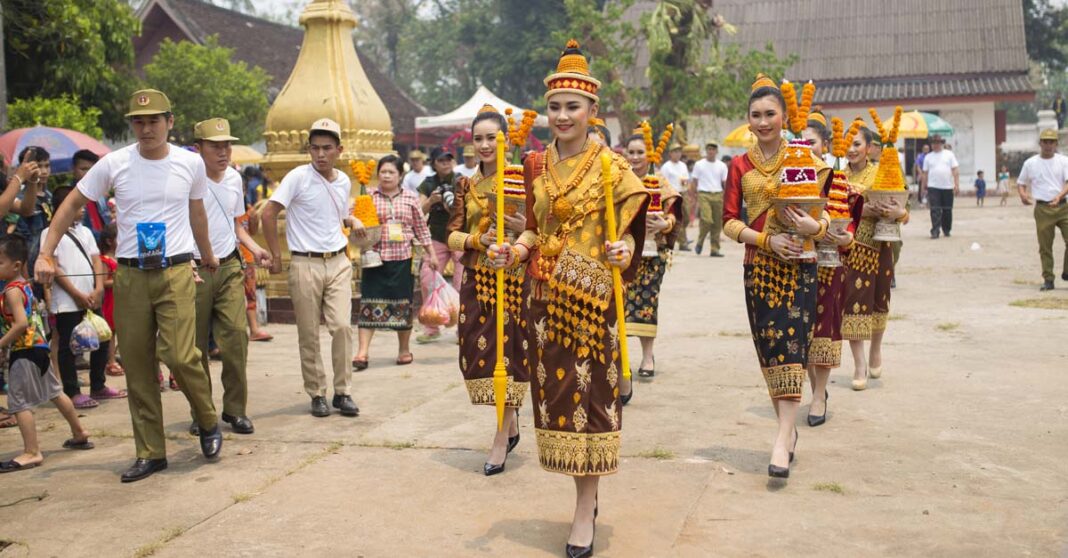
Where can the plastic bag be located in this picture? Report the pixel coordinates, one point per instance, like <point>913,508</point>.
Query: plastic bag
<point>103,330</point>
<point>84,338</point>
<point>442,305</point>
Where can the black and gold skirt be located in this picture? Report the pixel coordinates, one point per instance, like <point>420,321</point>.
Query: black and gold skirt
<point>869,272</point>
<point>781,300</point>
<point>386,296</point>
<point>643,296</point>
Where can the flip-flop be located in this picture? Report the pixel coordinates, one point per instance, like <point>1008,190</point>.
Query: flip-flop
<point>12,466</point>
<point>108,393</point>
<point>262,338</point>
<point>82,401</point>
<point>8,421</point>
<point>115,370</point>
<point>406,358</point>
<point>359,364</point>
<point>76,445</point>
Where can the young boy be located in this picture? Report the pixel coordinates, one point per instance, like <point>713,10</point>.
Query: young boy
<point>79,287</point>
<point>980,189</point>
<point>31,381</point>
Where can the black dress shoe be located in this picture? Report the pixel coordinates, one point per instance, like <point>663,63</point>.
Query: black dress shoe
<point>194,429</point>
<point>715,255</point>
<point>239,424</point>
<point>211,442</point>
<point>318,407</point>
<point>346,405</point>
<point>1047,286</point>
<point>143,468</point>
<point>816,420</point>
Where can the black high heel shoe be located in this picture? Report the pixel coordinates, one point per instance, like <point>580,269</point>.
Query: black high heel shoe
<point>573,551</point>
<point>816,420</point>
<point>624,399</point>
<point>490,469</point>
<point>778,472</point>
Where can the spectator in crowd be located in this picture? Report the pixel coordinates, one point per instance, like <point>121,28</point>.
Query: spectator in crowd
<point>419,172</point>
<point>676,173</point>
<point>1060,109</point>
<point>470,165</point>
<point>941,173</point>
<point>980,189</point>
<point>1003,185</point>
<point>437,196</point>
<point>708,176</point>
<point>1046,175</point>
<point>917,171</point>
<point>97,215</point>
<point>31,224</point>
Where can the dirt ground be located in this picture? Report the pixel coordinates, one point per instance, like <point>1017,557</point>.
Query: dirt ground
<point>959,450</point>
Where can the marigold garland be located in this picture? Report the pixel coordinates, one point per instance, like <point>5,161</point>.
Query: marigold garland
<point>658,155</point>
<point>896,125</point>
<point>838,142</point>
<point>878,123</point>
<point>363,170</point>
<point>519,132</point>
<point>808,93</point>
<point>790,96</point>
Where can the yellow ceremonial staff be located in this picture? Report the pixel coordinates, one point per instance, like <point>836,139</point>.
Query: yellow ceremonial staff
<point>617,275</point>
<point>500,373</point>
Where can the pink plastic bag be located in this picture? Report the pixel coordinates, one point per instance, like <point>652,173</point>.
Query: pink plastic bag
<point>442,306</point>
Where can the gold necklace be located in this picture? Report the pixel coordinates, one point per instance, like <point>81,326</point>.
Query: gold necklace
<point>561,207</point>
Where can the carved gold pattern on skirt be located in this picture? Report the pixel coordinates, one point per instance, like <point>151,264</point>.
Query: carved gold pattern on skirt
<point>785,382</point>
<point>825,352</point>
<point>774,280</point>
<point>579,292</point>
<point>578,454</point>
<point>481,392</point>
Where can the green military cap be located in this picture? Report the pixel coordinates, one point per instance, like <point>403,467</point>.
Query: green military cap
<point>146,102</point>
<point>213,129</point>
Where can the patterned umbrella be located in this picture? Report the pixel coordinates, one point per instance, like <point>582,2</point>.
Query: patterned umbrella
<point>920,125</point>
<point>60,143</point>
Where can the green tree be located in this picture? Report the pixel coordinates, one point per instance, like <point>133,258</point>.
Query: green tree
<point>1046,32</point>
<point>60,112</point>
<point>80,47</point>
<point>211,84</point>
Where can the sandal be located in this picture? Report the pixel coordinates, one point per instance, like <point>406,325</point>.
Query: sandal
<point>7,420</point>
<point>76,445</point>
<point>114,369</point>
<point>82,401</point>
<point>359,364</point>
<point>174,384</point>
<point>406,358</point>
<point>108,393</point>
<point>262,337</point>
<point>12,466</point>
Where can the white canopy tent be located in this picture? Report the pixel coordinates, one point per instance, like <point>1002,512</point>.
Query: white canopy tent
<point>465,113</point>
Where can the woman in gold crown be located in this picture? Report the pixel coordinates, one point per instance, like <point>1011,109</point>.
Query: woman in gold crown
<point>471,232</point>
<point>780,290</point>
<point>825,351</point>
<point>574,344</point>
<point>870,265</point>
<point>661,228</point>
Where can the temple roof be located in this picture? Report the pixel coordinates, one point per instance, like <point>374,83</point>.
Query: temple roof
<point>258,42</point>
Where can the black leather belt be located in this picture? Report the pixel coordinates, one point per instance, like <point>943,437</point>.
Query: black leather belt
<point>323,255</point>
<point>167,262</point>
<point>1040,202</point>
<point>224,259</point>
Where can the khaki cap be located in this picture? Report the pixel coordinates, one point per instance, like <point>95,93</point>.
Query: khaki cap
<point>1048,134</point>
<point>146,102</point>
<point>675,146</point>
<point>213,129</point>
<point>328,126</point>
<point>469,151</point>
<point>416,154</point>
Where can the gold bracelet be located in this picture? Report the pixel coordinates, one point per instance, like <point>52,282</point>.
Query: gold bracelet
<point>763,241</point>
<point>476,243</point>
<point>820,234</point>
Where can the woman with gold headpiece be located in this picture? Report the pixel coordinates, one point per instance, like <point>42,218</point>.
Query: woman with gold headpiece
<point>471,232</point>
<point>661,228</point>
<point>825,351</point>
<point>780,290</point>
<point>871,262</point>
<point>574,348</point>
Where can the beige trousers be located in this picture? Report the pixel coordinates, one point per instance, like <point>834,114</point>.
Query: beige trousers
<point>323,287</point>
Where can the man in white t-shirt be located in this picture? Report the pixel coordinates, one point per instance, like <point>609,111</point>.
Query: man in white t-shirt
<point>419,171</point>
<point>941,173</point>
<point>220,300</point>
<point>1046,174</point>
<point>708,176</point>
<point>470,165</point>
<point>676,173</point>
<point>159,190</point>
<point>317,201</point>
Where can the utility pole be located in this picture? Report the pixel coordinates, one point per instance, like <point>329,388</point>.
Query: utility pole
<point>3,75</point>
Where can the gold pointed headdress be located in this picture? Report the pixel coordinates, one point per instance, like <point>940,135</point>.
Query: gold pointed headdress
<point>488,108</point>
<point>572,75</point>
<point>762,80</point>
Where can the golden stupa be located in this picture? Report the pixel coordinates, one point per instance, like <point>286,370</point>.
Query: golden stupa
<point>327,82</point>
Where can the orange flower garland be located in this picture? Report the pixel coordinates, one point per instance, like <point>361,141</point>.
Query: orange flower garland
<point>363,209</point>
<point>790,96</point>
<point>808,94</point>
<point>658,155</point>
<point>363,170</point>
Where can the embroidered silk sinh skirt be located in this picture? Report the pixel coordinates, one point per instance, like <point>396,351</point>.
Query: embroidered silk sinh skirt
<point>643,296</point>
<point>386,296</point>
<point>826,347</point>
<point>781,300</point>
<point>477,330</point>
<point>577,412</point>
<point>869,272</point>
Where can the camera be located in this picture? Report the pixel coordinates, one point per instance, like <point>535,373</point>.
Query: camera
<point>447,195</point>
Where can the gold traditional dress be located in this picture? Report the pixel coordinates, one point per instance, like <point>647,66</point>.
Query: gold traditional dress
<point>869,270</point>
<point>477,328</point>
<point>574,342</point>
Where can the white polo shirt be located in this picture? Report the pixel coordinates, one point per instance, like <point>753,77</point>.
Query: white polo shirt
<point>676,174</point>
<point>939,167</point>
<point>149,191</point>
<point>224,203</point>
<point>314,209</point>
<point>465,171</point>
<point>710,175</point>
<point>412,180</point>
<point>1046,177</point>
<point>77,267</point>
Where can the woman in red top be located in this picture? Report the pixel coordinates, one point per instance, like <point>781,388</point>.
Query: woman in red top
<point>780,291</point>
<point>108,244</point>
